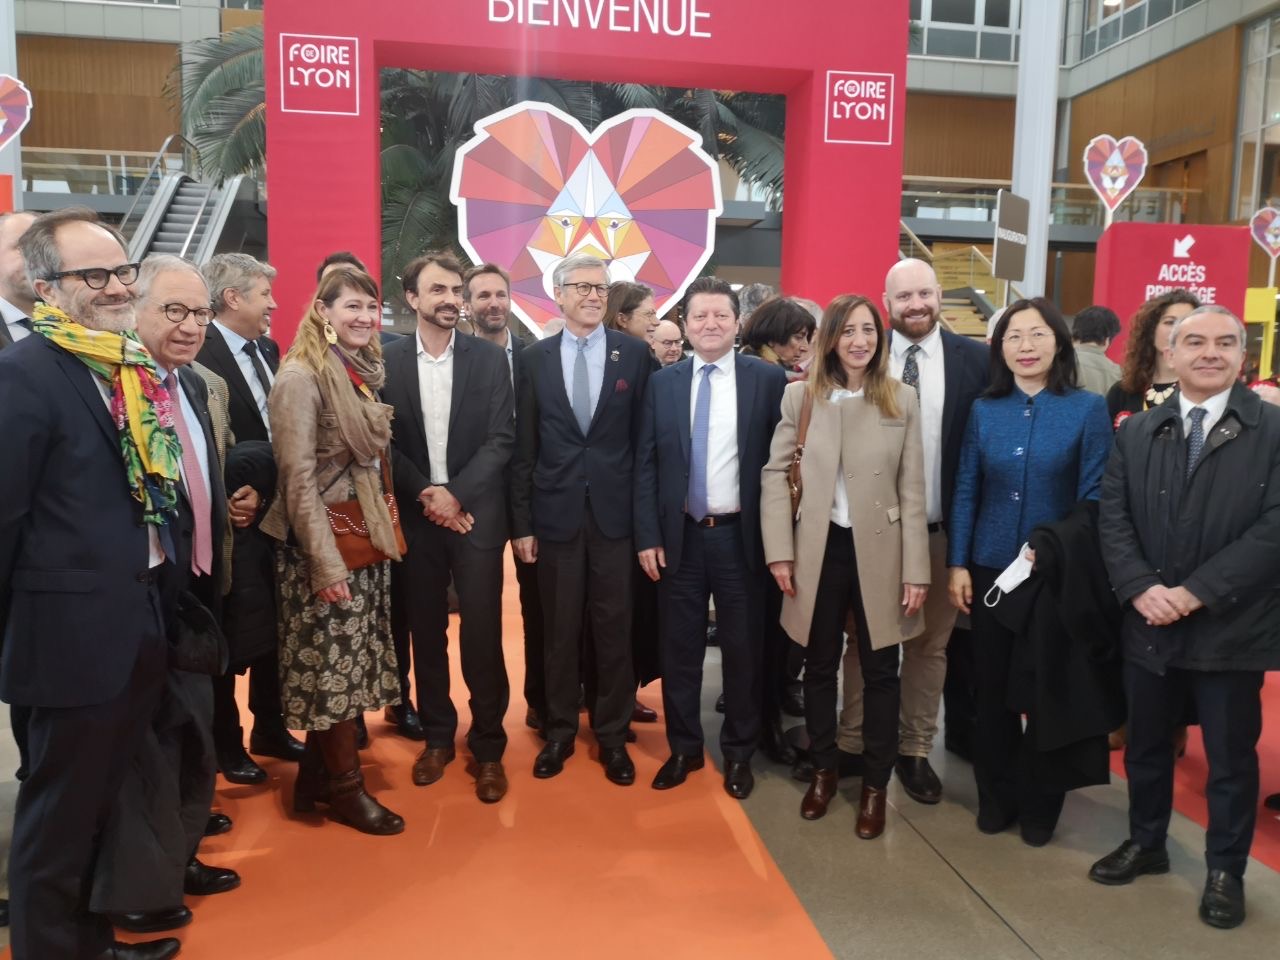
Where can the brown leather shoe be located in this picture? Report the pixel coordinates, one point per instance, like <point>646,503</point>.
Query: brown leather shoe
<point>429,767</point>
<point>818,797</point>
<point>871,813</point>
<point>491,782</point>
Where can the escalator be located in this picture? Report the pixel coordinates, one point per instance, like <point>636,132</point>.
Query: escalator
<point>187,217</point>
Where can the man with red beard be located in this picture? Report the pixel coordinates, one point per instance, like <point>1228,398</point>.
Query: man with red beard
<point>948,373</point>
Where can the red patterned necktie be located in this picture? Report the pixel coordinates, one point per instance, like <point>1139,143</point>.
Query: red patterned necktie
<point>197,491</point>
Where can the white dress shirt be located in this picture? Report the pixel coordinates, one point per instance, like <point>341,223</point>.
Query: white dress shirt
<point>435,393</point>
<point>235,343</point>
<point>840,503</point>
<point>1214,408</point>
<point>933,394</point>
<point>13,318</point>
<point>723,491</point>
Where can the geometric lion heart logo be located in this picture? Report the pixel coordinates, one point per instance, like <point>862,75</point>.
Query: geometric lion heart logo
<point>1265,227</point>
<point>15,103</point>
<point>534,186</point>
<point>1114,168</point>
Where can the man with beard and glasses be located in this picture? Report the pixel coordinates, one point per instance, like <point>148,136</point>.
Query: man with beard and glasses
<point>948,373</point>
<point>453,432</point>
<point>17,298</point>
<point>89,487</point>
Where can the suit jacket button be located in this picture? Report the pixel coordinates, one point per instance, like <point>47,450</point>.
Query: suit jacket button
<point>878,533</point>
<point>849,476</point>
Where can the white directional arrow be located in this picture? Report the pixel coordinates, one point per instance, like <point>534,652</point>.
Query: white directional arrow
<point>1182,248</point>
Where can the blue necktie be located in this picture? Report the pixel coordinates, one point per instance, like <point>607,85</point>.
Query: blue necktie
<point>1195,439</point>
<point>581,389</point>
<point>698,448</point>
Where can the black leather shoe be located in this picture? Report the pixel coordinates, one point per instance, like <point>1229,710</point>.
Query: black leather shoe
<point>774,743</point>
<point>362,733</point>
<point>238,767</point>
<point>151,950</point>
<point>551,758</point>
<point>219,823</point>
<point>642,714</point>
<point>201,880</point>
<point>618,767</point>
<point>1222,905</point>
<point>720,704</point>
<point>280,744</point>
<point>406,721</point>
<point>918,779</point>
<point>1272,802</point>
<point>676,769</point>
<point>738,779</point>
<point>532,720</point>
<point>847,765</point>
<point>152,922</point>
<point>4,913</point>
<point>1127,862</point>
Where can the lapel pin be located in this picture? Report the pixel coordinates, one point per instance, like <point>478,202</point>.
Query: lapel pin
<point>614,356</point>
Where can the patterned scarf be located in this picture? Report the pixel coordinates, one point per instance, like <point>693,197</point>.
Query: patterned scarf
<point>140,406</point>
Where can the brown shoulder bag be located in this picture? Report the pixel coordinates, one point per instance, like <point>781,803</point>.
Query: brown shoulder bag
<point>794,483</point>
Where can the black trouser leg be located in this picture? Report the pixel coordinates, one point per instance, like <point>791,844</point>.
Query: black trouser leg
<point>1230,708</point>
<point>562,580</point>
<point>959,707</point>
<point>477,575</point>
<point>683,644</point>
<point>998,729</point>
<point>226,713</point>
<point>739,609</point>
<point>1155,708</point>
<point>608,582</point>
<point>424,576</point>
<point>264,695</point>
<point>400,589</point>
<point>535,683</point>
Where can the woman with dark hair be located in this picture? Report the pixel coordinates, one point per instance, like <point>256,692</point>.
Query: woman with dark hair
<point>630,308</point>
<point>860,544</point>
<point>1146,379</point>
<point>779,331</point>
<point>1034,446</point>
<point>332,440</point>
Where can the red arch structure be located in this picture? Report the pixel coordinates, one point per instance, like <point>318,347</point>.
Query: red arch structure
<point>841,66</point>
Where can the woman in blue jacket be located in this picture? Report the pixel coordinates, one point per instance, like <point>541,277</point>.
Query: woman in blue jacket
<point>1034,446</point>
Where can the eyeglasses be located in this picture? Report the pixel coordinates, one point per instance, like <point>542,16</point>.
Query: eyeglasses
<point>1035,338</point>
<point>97,278</point>
<point>668,344</point>
<point>178,312</point>
<point>584,289</point>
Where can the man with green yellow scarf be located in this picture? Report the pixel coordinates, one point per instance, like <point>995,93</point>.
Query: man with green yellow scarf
<point>86,499</point>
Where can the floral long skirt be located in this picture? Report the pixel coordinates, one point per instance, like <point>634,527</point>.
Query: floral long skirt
<point>337,660</point>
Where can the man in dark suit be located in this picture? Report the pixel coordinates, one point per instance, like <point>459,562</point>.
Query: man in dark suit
<point>453,433</point>
<point>237,348</point>
<point>949,372</point>
<point>579,405</point>
<point>487,289</point>
<point>17,298</point>
<point>697,516</point>
<point>82,547</point>
<point>1190,526</point>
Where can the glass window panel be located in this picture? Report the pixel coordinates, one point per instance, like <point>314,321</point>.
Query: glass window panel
<point>1108,33</point>
<point>1091,13</point>
<point>1246,200</point>
<point>1271,106</point>
<point>1158,10</point>
<point>1257,43</point>
<point>1183,4</point>
<point>953,11</point>
<point>1130,4</point>
<point>1269,185</point>
<point>1134,21</point>
<point>915,9</point>
<point>997,46</point>
<point>915,39</point>
<point>1109,9</point>
<point>1090,46</point>
<point>996,13</point>
<point>952,43</point>
<point>1251,100</point>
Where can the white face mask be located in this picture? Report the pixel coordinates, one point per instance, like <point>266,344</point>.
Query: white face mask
<point>1010,577</point>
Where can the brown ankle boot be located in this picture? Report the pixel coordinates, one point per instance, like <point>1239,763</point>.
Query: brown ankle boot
<point>349,803</point>
<point>871,813</point>
<point>818,797</point>
<point>311,787</point>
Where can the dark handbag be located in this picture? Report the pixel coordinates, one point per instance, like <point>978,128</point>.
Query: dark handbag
<point>794,484</point>
<point>351,533</point>
<point>197,644</point>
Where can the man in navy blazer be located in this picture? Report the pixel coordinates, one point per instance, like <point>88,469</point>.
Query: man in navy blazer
<point>578,416</point>
<point>80,603</point>
<point>949,372</point>
<point>708,422</point>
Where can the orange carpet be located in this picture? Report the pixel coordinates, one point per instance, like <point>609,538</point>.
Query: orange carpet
<point>569,867</point>
<point>1192,769</point>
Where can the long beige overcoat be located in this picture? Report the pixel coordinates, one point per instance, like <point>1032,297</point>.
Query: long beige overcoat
<point>881,463</point>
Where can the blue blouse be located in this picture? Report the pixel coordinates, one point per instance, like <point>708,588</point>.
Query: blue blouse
<point>1024,461</point>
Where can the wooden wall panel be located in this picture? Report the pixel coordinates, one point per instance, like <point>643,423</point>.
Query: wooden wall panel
<point>958,137</point>
<point>233,19</point>
<point>92,94</point>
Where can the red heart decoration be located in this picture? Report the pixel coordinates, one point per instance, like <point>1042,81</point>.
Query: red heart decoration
<point>1114,168</point>
<point>15,105</point>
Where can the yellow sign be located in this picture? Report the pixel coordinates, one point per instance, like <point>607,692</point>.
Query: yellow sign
<point>1260,308</point>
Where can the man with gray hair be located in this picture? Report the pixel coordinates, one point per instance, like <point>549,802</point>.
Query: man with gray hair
<point>17,298</point>
<point>578,409</point>
<point>1190,528</point>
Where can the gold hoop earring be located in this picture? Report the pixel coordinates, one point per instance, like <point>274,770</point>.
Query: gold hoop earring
<point>330,335</point>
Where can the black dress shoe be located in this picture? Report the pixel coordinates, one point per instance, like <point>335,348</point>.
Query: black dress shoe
<point>676,769</point>
<point>551,758</point>
<point>618,767</point>
<point>406,721</point>
<point>720,704</point>
<point>1272,802</point>
<point>4,913</point>
<point>151,950</point>
<point>793,699</point>
<point>774,743</point>
<point>642,714</point>
<point>847,765</point>
<point>1222,905</point>
<point>738,779</point>
<point>532,720</point>
<point>362,733</point>
<point>203,881</point>
<point>219,823</point>
<point>1127,862</point>
<point>280,744</point>
<point>152,922</point>
<point>918,779</point>
<point>238,767</point>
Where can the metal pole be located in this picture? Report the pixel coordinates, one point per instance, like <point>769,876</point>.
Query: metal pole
<point>1271,273</point>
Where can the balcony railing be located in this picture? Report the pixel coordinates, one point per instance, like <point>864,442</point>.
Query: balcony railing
<point>102,172</point>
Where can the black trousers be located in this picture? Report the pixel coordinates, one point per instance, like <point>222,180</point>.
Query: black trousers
<point>535,681</point>
<point>264,702</point>
<point>838,590</point>
<point>1229,705</point>
<point>1004,761</point>
<point>76,758</point>
<point>421,583</point>
<point>589,575</point>
<point>958,691</point>
<point>711,566</point>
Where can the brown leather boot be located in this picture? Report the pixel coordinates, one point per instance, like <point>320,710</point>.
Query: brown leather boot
<point>349,803</point>
<point>311,787</point>
<point>818,797</point>
<point>871,810</point>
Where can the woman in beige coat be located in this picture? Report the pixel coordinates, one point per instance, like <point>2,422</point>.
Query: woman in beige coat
<point>860,544</point>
